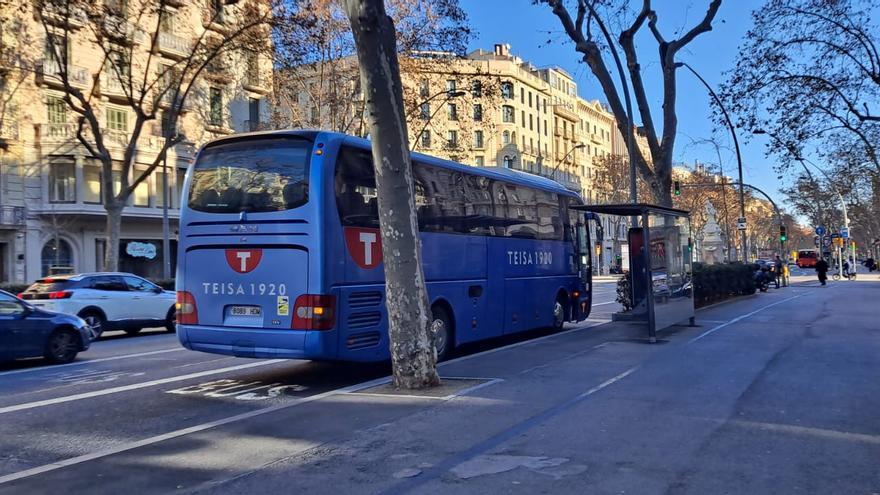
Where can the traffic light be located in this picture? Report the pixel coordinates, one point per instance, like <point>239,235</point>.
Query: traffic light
<point>782,234</point>
<point>676,186</point>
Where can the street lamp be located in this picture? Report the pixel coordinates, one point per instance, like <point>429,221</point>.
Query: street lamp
<point>575,147</point>
<point>742,200</point>
<point>449,95</point>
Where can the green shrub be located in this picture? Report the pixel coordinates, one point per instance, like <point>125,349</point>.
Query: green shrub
<point>713,283</point>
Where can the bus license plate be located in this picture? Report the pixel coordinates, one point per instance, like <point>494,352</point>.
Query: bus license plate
<point>246,311</point>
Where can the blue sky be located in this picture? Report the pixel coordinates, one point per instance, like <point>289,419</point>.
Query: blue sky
<point>528,28</point>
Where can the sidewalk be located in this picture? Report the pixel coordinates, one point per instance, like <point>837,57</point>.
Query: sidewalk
<point>770,394</point>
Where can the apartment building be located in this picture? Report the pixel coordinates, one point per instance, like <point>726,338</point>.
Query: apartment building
<point>52,218</point>
<point>490,108</point>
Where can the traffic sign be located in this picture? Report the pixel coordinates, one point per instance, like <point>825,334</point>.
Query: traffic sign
<point>844,232</point>
<point>741,223</point>
<point>820,230</point>
<point>826,241</point>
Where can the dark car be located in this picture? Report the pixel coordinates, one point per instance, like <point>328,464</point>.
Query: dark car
<point>26,331</point>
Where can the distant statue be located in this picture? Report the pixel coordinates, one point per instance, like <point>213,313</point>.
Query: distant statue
<point>712,248</point>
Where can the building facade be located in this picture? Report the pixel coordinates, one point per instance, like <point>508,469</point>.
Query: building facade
<point>52,218</point>
<point>490,108</point>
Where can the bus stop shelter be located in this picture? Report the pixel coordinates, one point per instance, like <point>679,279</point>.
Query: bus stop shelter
<point>660,264</point>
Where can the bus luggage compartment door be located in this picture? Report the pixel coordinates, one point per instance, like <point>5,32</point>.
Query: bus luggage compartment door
<point>246,286</point>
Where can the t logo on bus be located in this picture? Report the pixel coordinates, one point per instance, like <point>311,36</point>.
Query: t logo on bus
<point>365,246</point>
<point>243,260</point>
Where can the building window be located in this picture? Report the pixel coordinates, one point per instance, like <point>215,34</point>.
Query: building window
<point>452,139</point>
<point>507,161</point>
<point>142,191</point>
<point>505,138</point>
<point>450,85</point>
<point>522,95</point>
<point>57,110</point>
<point>507,90</point>
<point>478,139</point>
<point>523,119</point>
<point>62,181</point>
<point>478,112</point>
<point>57,257</point>
<point>424,88</point>
<point>507,114</point>
<point>531,122</point>
<point>479,161</point>
<point>216,116</point>
<point>530,99</point>
<point>426,139</point>
<point>451,111</point>
<point>425,111</point>
<point>117,119</point>
<point>92,178</point>
<point>169,189</point>
<point>477,89</point>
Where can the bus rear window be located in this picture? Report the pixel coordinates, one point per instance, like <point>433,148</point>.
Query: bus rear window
<point>259,175</point>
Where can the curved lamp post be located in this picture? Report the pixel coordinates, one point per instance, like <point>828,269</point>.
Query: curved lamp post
<point>449,95</point>
<point>575,147</point>
<point>742,200</point>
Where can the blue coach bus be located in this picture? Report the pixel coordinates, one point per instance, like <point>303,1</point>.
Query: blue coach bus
<point>280,254</point>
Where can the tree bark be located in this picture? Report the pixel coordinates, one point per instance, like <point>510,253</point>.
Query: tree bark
<point>114,226</point>
<point>413,354</point>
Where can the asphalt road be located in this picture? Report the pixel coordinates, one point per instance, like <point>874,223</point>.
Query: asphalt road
<point>129,388</point>
<point>147,389</point>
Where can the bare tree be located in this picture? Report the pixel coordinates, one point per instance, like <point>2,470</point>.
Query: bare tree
<point>413,353</point>
<point>151,87</point>
<point>587,29</point>
<point>809,72</point>
<point>318,84</point>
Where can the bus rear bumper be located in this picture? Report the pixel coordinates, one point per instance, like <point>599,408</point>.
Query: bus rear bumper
<point>258,343</point>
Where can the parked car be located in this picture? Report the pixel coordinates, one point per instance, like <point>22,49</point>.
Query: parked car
<point>27,331</point>
<point>106,301</point>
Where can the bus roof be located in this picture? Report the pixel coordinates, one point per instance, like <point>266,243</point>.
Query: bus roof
<point>509,175</point>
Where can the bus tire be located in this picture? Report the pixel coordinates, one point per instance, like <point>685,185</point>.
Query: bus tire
<point>560,310</point>
<point>443,331</point>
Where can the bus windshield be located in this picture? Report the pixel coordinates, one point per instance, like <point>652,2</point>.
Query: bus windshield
<point>258,175</point>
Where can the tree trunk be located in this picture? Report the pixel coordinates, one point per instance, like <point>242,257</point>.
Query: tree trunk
<point>413,354</point>
<point>114,226</point>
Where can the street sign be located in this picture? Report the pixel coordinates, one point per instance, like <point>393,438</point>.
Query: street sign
<point>844,232</point>
<point>741,223</point>
<point>820,230</point>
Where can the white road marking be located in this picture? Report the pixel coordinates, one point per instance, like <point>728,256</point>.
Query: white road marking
<point>90,361</point>
<point>843,436</point>
<point>134,386</point>
<point>604,303</point>
<point>740,318</point>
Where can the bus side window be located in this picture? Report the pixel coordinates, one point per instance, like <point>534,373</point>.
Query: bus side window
<point>356,189</point>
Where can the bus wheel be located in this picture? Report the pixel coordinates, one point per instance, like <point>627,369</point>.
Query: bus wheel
<point>559,312</point>
<point>442,331</point>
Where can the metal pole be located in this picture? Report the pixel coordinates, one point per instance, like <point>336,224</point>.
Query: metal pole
<point>742,200</point>
<point>166,243</point>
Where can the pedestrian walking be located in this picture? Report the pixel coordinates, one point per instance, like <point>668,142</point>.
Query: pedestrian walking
<point>822,270</point>
<point>777,264</point>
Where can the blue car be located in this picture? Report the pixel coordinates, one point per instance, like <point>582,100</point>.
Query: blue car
<point>26,331</point>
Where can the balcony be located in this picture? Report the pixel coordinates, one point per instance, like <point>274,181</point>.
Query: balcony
<point>12,216</point>
<point>254,82</point>
<point>112,86</point>
<point>174,46</point>
<point>113,137</point>
<point>49,73</point>
<point>57,15</point>
<point>595,138</point>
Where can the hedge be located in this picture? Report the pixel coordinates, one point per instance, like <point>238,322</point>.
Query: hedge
<point>713,283</point>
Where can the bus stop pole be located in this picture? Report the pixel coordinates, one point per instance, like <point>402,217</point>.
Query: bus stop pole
<point>649,288</point>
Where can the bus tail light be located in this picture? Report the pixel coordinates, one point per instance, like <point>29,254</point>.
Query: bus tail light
<point>314,312</point>
<point>187,313</point>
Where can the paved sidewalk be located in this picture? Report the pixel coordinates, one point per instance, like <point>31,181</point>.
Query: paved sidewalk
<point>770,394</point>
